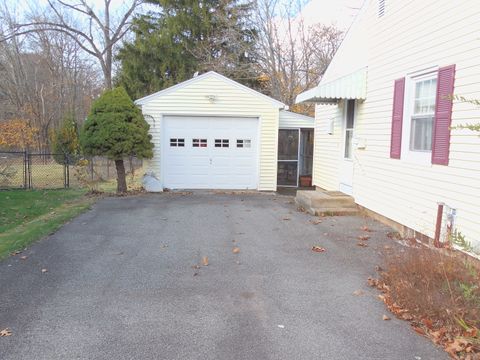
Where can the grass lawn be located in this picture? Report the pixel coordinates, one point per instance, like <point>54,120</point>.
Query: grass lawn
<point>26,216</point>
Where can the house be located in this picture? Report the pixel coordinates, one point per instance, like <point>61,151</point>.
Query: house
<point>211,132</point>
<point>384,116</point>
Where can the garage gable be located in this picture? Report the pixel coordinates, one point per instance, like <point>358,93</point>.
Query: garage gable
<point>208,81</point>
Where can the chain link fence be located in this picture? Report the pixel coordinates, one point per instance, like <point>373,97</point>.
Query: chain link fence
<point>13,170</point>
<point>24,170</point>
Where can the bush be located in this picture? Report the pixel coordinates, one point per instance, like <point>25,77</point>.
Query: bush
<point>116,128</point>
<point>439,292</point>
<point>66,145</point>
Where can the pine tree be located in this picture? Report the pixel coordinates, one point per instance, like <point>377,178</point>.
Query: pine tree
<point>186,36</point>
<point>116,128</point>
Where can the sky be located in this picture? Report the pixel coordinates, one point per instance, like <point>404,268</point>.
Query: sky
<point>328,12</point>
<point>331,12</point>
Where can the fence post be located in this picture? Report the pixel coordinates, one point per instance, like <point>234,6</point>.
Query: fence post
<point>29,170</point>
<point>66,172</point>
<point>25,170</point>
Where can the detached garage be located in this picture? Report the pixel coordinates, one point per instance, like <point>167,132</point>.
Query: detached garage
<point>211,132</point>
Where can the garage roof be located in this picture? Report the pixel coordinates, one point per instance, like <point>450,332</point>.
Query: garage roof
<point>293,120</point>
<point>179,86</point>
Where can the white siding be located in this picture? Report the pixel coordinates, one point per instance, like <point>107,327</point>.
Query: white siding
<point>412,36</point>
<point>230,100</point>
<point>327,146</point>
<point>291,120</point>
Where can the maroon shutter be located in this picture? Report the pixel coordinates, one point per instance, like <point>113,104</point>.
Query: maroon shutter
<point>397,119</point>
<point>443,115</point>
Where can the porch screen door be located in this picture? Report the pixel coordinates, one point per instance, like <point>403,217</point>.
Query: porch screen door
<point>287,174</point>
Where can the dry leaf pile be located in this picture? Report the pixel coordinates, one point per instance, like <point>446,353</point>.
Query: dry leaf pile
<point>438,295</point>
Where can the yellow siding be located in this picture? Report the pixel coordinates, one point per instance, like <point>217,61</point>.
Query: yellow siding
<point>413,35</point>
<point>231,100</point>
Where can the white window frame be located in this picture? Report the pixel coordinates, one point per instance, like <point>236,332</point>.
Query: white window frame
<point>412,156</point>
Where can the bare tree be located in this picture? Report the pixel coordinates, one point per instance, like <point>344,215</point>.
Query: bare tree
<point>293,55</point>
<point>96,32</point>
<point>43,77</point>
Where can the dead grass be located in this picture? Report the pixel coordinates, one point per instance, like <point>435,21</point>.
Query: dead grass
<point>439,292</point>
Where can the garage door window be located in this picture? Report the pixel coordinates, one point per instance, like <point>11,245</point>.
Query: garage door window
<point>175,142</point>
<point>199,142</point>
<point>221,143</point>
<point>244,143</point>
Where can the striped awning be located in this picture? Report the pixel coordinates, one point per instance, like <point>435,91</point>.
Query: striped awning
<point>351,86</point>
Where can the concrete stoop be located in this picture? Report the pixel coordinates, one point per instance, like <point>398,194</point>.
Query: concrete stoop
<point>319,202</point>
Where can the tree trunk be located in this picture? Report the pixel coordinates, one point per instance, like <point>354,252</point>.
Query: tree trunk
<point>121,179</point>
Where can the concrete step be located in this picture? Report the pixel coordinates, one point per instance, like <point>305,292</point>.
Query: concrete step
<point>319,202</point>
<point>323,199</point>
<point>334,211</point>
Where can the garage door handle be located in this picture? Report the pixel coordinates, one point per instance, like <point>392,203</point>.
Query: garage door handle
<point>210,161</point>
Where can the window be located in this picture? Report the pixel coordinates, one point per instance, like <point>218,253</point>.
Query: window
<point>244,143</point>
<point>423,112</point>
<point>422,116</point>
<point>224,143</point>
<point>349,126</point>
<point>174,142</point>
<point>199,142</point>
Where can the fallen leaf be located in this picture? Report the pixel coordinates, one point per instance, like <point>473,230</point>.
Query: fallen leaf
<point>15,253</point>
<point>316,222</point>
<point>205,261</point>
<point>6,332</point>
<point>419,330</point>
<point>44,270</point>
<point>365,228</point>
<point>428,323</point>
<point>358,292</point>
<point>236,250</point>
<point>362,244</point>
<point>23,257</point>
<point>195,273</point>
<point>456,346</point>
<point>385,317</point>
<point>363,237</point>
<point>472,332</point>
<point>286,218</point>
<point>318,248</point>
<point>372,282</point>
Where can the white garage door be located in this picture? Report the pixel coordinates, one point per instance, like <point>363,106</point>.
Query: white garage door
<point>210,153</point>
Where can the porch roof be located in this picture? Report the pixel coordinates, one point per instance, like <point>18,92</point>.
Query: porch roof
<point>351,86</point>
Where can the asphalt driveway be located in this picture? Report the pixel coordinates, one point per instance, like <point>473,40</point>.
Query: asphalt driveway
<point>126,281</point>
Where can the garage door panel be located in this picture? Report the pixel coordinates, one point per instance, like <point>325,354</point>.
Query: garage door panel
<point>232,164</point>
